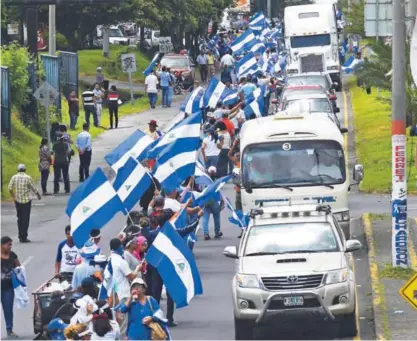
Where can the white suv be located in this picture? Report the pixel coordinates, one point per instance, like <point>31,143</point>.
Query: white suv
<point>293,262</point>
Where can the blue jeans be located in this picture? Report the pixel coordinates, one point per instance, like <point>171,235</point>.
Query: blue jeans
<point>7,299</point>
<point>73,120</point>
<point>211,161</point>
<point>165,90</point>
<point>170,95</point>
<point>152,99</point>
<point>90,109</point>
<point>215,211</point>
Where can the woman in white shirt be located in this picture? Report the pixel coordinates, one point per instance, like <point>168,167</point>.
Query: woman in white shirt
<point>210,149</point>
<point>224,142</point>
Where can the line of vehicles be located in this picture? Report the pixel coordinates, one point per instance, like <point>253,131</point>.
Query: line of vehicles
<point>294,260</point>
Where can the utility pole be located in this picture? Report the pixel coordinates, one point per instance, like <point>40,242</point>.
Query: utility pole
<point>52,31</point>
<point>268,8</point>
<point>400,233</point>
<point>377,20</point>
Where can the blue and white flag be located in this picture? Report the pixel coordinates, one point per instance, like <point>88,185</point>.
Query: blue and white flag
<point>135,146</point>
<point>212,192</point>
<point>93,203</point>
<point>243,43</point>
<point>176,265</point>
<point>188,131</point>
<point>231,98</point>
<point>131,182</point>
<point>200,176</point>
<point>256,106</point>
<point>192,103</point>
<point>152,64</point>
<point>21,296</point>
<point>258,48</point>
<point>106,286</point>
<point>214,92</point>
<point>246,64</point>
<point>274,34</point>
<point>238,217</point>
<point>257,22</point>
<point>176,163</point>
<point>268,66</point>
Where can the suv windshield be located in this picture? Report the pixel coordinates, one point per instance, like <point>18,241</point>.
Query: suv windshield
<point>293,163</point>
<point>309,105</point>
<point>115,32</point>
<point>291,238</point>
<point>175,63</point>
<point>309,80</point>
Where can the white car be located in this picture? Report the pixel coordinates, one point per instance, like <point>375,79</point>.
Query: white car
<point>293,262</point>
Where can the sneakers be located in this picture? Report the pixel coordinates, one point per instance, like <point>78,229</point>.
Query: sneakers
<point>206,237</point>
<point>12,335</point>
<point>218,235</point>
<point>172,324</point>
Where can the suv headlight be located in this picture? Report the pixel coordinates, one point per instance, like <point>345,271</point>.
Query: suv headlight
<point>342,216</point>
<point>337,276</point>
<point>334,67</point>
<point>247,281</point>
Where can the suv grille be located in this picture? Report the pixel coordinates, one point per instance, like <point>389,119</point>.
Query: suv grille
<point>282,283</point>
<point>312,63</point>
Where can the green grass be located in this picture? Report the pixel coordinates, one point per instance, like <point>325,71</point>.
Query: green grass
<point>390,272</point>
<point>373,140</point>
<point>24,148</point>
<point>89,60</point>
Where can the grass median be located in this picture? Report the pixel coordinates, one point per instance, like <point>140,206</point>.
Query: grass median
<point>372,121</point>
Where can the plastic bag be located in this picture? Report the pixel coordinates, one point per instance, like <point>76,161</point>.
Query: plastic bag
<point>21,296</point>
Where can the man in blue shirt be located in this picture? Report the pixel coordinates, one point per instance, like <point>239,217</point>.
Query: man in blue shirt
<point>165,81</point>
<point>83,144</point>
<point>246,88</point>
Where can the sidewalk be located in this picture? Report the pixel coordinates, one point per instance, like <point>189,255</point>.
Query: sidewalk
<point>51,206</point>
<point>119,84</point>
<point>395,318</point>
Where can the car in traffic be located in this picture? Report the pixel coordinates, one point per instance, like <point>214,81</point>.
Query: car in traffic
<point>293,262</point>
<point>313,78</point>
<point>312,99</point>
<point>181,65</point>
<point>320,87</point>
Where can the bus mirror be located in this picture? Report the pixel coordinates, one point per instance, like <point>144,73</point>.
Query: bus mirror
<point>344,130</point>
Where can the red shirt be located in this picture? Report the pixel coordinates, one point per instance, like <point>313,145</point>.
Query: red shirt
<point>229,126</point>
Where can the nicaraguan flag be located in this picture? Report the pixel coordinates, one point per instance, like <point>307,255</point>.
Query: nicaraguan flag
<point>257,22</point>
<point>192,103</point>
<point>135,146</point>
<point>243,43</point>
<point>256,106</point>
<point>176,163</point>
<point>93,203</point>
<point>107,284</point>
<point>214,92</point>
<point>269,66</point>
<point>176,265</point>
<point>258,48</point>
<point>200,176</point>
<point>274,34</point>
<point>187,130</point>
<point>149,69</point>
<point>258,92</point>
<point>246,64</point>
<point>212,192</point>
<point>131,182</point>
<point>231,98</point>
<point>21,297</point>
<point>238,217</point>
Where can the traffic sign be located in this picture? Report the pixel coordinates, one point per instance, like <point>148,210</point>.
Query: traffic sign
<point>409,291</point>
<point>165,45</point>
<point>46,94</point>
<point>129,62</point>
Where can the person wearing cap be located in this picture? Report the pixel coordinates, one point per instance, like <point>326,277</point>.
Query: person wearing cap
<point>85,269</point>
<point>20,185</point>
<point>56,329</point>
<point>99,75</point>
<point>209,148</point>
<point>61,151</point>
<point>152,131</point>
<point>66,258</point>
<point>141,311</point>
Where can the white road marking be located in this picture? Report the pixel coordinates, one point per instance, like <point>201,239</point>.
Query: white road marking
<point>358,286</point>
<point>27,260</point>
<point>362,318</point>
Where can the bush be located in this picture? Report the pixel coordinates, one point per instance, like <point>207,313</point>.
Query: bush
<point>61,41</point>
<point>16,58</point>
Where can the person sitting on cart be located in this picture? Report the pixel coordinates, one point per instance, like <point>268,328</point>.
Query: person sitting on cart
<point>60,307</point>
<point>85,269</point>
<point>66,258</point>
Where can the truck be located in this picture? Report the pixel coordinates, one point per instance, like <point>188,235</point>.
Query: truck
<point>298,157</point>
<point>311,35</point>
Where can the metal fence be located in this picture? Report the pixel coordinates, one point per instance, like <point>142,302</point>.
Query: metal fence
<point>69,72</point>
<point>51,65</point>
<point>6,103</point>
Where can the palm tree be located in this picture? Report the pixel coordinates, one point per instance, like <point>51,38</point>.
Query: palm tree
<point>376,71</point>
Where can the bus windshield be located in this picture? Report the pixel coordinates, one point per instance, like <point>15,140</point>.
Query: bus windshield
<point>310,41</point>
<point>293,163</point>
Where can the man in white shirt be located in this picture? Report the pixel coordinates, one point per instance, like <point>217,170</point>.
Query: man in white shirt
<point>227,60</point>
<point>151,88</point>
<point>98,96</point>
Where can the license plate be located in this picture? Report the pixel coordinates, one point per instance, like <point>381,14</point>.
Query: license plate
<point>293,301</point>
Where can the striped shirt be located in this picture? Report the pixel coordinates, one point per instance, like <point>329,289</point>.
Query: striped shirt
<point>21,184</point>
<point>88,97</point>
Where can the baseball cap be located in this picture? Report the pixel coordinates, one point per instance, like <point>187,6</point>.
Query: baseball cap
<point>212,169</point>
<point>99,68</point>
<point>21,167</point>
<point>153,123</point>
<point>211,114</point>
<point>56,329</point>
<point>138,281</point>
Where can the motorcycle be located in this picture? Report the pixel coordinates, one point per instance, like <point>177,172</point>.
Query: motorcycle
<point>179,84</point>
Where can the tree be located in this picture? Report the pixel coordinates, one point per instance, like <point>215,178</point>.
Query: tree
<point>354,16</point>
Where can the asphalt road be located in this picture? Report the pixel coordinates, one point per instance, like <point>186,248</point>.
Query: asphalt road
<point>209,316</point>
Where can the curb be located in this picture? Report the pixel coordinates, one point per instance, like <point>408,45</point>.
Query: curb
<point>381,323</point>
